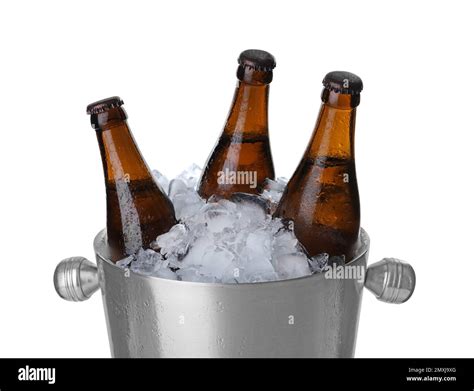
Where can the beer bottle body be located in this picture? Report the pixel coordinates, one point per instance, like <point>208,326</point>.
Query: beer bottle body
<point>137,209</point>
<point>322,196</point>
<point>241,159</point>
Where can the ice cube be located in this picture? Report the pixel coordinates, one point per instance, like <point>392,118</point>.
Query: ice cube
<point>177,186</point>
<point>257,271</point>
<point>272,191</point>
<point>319,263</point>
<point>192,274</point>
<point>291,266</point>
<point>166,273</point>
<point>190,176</point>
<point>187,204</point>
<point>282,182</point>
<point>233,240</point>
<point>285,242</point>
<point>258,244</point>
<point>196,227</point>
<point>174,242</point>
<point>147,262</point>
<point>188,274</point>
<point>228,205</point>
<point>217,263</point>
<point>196,253</point>
<point>125,263</point>
<point>252,210</point>
<point>162,181</point>
<point>250,200</point>
<point>337,260</point>
<point>217,217</point>
<point>174,261</point>
<point>255,258</point>
<point>277,185</point>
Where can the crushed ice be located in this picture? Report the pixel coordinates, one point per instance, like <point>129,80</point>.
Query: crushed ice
<point>224,241</point>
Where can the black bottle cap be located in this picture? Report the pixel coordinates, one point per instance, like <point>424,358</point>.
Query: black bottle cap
<point>343,82</point>
<point>257,59</point>
<point>104,105</point>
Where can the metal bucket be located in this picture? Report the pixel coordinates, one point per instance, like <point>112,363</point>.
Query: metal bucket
<point>314,316</point>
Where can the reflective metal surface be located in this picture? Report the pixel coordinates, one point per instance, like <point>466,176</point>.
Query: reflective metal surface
<point>391,280</point>
<point>153,317</point>
<point>314,316</point>
<point>76,279</point>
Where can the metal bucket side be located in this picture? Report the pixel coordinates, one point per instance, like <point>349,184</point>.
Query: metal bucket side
<point>306,317</point>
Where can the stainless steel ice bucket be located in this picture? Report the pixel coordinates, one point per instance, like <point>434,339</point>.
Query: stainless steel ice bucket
<point>314,316</point>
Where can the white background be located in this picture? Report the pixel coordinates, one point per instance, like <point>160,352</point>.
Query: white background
<point>174,65</point>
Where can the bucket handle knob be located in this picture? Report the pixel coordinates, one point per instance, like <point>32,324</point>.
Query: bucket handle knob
<point>391,280</point>
<point>76,279</point>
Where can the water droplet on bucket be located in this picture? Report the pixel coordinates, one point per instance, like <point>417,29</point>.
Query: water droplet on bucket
<point>220,307</point>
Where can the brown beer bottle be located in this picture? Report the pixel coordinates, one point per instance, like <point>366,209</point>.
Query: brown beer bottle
<point>242,159</point>
<point>322,197</point>
<point>137,209</point>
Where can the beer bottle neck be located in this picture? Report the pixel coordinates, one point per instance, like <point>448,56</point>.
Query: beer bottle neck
<point>121,157</point>
<point>249,111</point>
<point>333,136</point>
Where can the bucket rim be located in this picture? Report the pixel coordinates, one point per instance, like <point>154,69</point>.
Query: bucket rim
<point>100,247</point>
